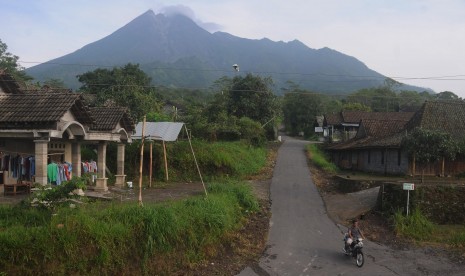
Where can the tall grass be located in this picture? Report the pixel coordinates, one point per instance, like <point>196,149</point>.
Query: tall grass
<point>108,237</point>
<point>415,225</point>
<point>319,158</point>
<point>220,159</point>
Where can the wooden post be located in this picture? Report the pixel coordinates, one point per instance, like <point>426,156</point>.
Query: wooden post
<point>166,161</point>
<point>150,175</point>
<point>413,166</point>
<point>443,165</point>
<point>141,162</point>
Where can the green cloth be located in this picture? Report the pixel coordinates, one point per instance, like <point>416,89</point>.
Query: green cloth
<point>52,172</point>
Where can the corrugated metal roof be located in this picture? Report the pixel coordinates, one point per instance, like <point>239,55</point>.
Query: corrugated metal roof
<point>163,131</point>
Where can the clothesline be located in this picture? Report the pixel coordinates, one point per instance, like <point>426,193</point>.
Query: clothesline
<point>15,152</point>
<point>25,153</point>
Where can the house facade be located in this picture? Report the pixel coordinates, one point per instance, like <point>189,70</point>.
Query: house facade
<point>41,126</point>
<point>376,147</point>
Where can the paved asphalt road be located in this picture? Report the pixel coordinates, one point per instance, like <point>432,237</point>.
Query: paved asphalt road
<point>304,241</point>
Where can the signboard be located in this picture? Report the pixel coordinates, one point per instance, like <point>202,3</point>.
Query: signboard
<point>409,186</point>
<point>318,129</point>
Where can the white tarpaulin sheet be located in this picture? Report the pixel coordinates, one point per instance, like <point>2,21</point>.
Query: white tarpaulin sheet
<point>163,131</point>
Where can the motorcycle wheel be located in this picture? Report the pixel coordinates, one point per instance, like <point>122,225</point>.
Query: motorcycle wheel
<point>360,260</point>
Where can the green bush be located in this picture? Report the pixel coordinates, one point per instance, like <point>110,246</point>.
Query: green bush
<point>50,197</point>
<point>415,225</point>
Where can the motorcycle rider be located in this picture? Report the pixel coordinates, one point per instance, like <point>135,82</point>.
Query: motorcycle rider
<point>353,234</point>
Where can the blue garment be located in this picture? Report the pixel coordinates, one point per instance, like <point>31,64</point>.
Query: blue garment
<point>32,165</point>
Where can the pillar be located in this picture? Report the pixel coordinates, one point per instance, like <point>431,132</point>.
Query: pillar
<point>120,176</point>
<point>101,182</point>
<point>76,158</point>
<point>41,151</point>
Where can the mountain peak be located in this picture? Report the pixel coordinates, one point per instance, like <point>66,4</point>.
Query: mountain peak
<point>174,40</point>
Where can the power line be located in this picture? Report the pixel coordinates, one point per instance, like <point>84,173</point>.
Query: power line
<point>446,78</point>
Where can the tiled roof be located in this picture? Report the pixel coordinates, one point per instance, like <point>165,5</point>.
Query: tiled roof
<point>23,110</point>
<point>8,84</point>
<point>375,133</point>
<point>380,128</point>
<point>106,118</point>
<point>356,116</point>
<point>447,116</point>
<point>333,119</point>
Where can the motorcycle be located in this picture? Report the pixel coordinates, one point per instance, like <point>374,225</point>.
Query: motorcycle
<point>354,250</point>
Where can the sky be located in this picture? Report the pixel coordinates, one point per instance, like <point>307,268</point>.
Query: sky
<point>418,42</point>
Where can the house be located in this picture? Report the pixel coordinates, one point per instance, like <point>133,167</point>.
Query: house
<point>376,147</point>
<point>45,125</point>
<point>344,125</point>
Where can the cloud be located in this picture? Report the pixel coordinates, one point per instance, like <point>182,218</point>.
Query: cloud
<point>178,9</point>
<point>188,12</point>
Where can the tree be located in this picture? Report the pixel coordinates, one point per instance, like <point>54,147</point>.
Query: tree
<point>410,101</point>
<point>128,86</point>
<point>55,83</point>
<point>300,110</point>
<point>251,96</point>
<point>356,107</point>
<point>9,62</point>
<point>426,146</point>
<point>447,95</point>
<point>378,99</point>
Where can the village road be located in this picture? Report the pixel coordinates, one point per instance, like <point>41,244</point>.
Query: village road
<point>303,240</point>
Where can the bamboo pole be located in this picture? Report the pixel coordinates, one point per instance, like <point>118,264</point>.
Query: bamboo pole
<point>151,163</point>
<point>166,161</point>
<point>195,159</point>
<point>141,162</point>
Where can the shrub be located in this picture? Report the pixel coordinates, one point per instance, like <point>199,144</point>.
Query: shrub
<point>49,197</point>
<point>415,225</point>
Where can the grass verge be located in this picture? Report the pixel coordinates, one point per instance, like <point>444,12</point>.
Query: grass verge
<point>319,158</point>
<point>418,228</point>
<point>117,238</point>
